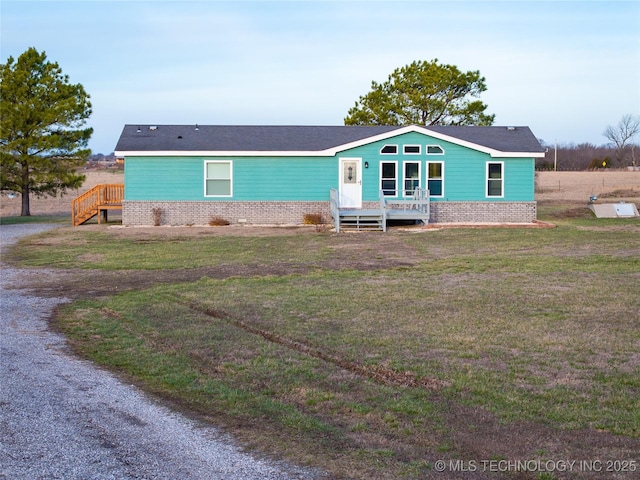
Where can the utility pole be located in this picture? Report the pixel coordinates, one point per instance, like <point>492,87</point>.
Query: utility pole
<point>555,156</point>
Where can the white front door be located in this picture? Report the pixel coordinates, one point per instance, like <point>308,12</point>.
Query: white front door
<point>350,183</point>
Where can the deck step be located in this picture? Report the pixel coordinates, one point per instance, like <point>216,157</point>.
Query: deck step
<point>359,223</point>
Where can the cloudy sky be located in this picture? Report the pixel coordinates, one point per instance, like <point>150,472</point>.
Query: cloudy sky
<point>567,69</point>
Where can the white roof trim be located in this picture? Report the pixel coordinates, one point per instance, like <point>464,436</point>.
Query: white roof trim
<point>474,146</point>
<point>330,152</point>
<point>222,153</point>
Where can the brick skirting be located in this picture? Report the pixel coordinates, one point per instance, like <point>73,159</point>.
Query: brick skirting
<point>142,212</point>
<point>483,212</point>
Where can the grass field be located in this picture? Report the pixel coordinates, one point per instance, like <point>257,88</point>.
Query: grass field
<point>373,355</point>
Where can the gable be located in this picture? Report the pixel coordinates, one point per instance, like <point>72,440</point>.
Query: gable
<point>190,140</point>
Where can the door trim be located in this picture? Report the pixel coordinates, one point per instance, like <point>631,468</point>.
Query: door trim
<point>350,192</point>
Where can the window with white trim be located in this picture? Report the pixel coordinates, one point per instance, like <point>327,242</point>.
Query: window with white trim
<point>435,179</point>
<point>435,150</point>
<point>495,179</point>
<point>389,178</point>
<point>411,149</point>
<point>218,178</point>
<point>411,171</point>
<point>389,150</point>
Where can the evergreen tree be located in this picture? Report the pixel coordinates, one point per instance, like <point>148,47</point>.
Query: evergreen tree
<point>42,139</point>
<point>423,93</point>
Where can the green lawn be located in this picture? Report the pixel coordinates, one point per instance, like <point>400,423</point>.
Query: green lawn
<point>421,346</point>
<point>17,220</point>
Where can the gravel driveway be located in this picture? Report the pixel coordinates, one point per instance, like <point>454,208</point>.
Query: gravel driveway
<point>62,417</point>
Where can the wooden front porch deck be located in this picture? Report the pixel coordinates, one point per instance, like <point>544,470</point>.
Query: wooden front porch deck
<point>359,219</point>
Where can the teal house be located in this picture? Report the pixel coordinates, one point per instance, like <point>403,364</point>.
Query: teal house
<point>357,176</point>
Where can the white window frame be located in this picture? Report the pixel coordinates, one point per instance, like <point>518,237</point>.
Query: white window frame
<point>206,178</point>
<point>404,149</point>
<point>487,180</point>
<point>441,179</point>
<point>404,177</point>
<point>439,146</point>
<point>389,145</point>
<point>395,163</point>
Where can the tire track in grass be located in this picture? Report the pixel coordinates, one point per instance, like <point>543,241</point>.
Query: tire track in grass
<point>377,373</point>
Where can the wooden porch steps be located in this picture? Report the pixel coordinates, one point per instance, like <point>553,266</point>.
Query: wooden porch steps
<point>97,201</point>
<point>361,221</point>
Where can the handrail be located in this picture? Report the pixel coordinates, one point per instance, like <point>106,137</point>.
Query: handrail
<point>88,204</point>
<point>335,208</point>
<point>383,211</point>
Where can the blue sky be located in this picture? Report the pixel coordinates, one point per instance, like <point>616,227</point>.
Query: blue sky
<point>567,69</point>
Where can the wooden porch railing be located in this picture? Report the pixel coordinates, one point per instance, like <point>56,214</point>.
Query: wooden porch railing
<point>100,198</point>
<point>418,203</point>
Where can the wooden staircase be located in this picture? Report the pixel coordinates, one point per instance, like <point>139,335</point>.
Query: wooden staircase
<point>97,201</point>
<point>354,221</point>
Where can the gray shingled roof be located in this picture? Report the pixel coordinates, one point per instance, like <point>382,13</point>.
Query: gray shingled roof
<point>503,139</point>
<point>211,138</point>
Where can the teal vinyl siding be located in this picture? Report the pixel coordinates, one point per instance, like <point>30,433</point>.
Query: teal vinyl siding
<point>311,178</point>
<point>520,183</point>
<point>302,179</point>
<point>163,178</point>
<point>254,178</point>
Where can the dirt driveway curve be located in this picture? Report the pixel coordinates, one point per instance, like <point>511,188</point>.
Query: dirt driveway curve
<point>62,417</point>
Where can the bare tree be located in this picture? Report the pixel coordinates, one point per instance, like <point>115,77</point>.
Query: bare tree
<point>622,134</point>
<point>583,156</point>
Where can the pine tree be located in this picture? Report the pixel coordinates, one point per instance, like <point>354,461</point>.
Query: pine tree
<point>42,139</point>
<point>423,93</point>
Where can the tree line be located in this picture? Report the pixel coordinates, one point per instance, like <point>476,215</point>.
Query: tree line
<point>584,156</point>
<point>101,157</point>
